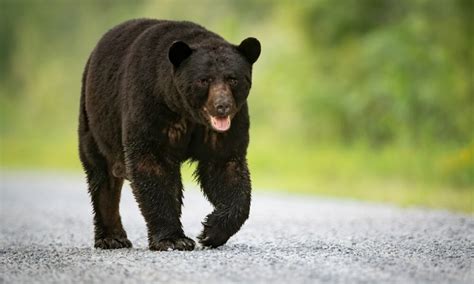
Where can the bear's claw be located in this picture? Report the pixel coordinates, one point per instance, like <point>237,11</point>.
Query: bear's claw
<point>212,236</point>
<point>182,243</point>
<point>113,243</point>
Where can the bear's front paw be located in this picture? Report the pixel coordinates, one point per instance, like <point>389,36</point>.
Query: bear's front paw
<point>212,236</point>
<point>112,243</point>
<point>181,243</point>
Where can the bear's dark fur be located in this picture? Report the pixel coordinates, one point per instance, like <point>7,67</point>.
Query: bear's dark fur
<point>156,93</point>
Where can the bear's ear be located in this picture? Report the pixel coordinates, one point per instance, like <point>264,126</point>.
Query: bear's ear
<point>250,48</point>
<point>178,52</point>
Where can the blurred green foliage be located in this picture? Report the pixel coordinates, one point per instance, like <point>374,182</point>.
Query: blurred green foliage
<point>369,99</point>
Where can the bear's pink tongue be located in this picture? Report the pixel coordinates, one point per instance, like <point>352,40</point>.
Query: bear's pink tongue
<point>220,123</point>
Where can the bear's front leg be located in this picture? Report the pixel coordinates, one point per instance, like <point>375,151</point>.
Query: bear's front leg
<point>157,187</point>
<point>227,186</point>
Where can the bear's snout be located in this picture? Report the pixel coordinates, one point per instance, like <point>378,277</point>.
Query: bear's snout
<point>220,107</point>
<point>220,100</point>
<point>223,106</point>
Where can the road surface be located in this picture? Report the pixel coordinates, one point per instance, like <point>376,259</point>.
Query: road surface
<point>46,237</point>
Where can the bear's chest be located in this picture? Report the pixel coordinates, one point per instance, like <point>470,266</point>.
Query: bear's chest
<point>177,133</point>
<point>189,140</point>
<point>207,144</point>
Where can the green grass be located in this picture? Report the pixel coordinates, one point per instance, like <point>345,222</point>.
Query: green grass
<point>396,175</point>
<point>400,175</point>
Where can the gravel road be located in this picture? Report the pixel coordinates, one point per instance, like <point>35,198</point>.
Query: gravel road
<point>46,237</point>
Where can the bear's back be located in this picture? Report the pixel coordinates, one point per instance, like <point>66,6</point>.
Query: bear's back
<point>117,42</point>
<point>143,39</point>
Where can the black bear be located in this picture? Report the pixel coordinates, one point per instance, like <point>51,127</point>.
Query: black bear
<point>156,93</point>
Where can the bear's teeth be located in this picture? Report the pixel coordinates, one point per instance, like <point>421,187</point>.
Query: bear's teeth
<point>220,123</point>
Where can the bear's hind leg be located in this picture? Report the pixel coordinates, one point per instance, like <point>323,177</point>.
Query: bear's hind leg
<point>104,189</point>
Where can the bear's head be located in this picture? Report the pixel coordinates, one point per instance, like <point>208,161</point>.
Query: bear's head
<point>213,81</point>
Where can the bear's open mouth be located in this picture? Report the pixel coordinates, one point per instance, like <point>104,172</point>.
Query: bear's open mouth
<point>220,124</point>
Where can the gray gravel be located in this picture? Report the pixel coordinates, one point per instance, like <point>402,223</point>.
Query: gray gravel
<point>46,236</point>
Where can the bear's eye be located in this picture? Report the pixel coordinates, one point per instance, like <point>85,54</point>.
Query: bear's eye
<point>233,81</point>
<point>204,81</point>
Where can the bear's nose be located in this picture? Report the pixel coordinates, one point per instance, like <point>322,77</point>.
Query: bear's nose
<point>222,108</point>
